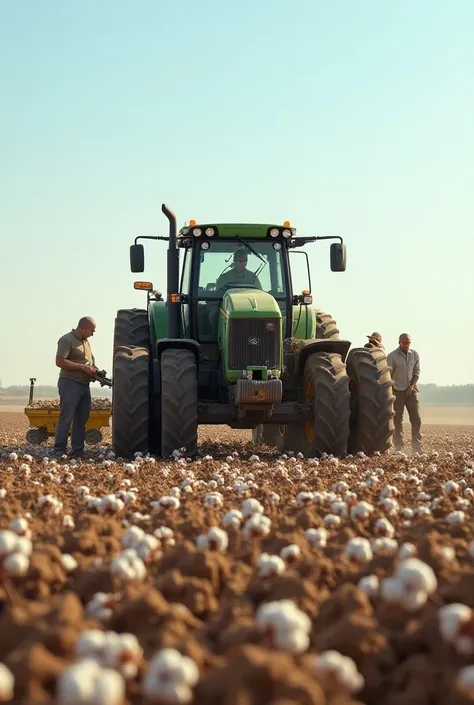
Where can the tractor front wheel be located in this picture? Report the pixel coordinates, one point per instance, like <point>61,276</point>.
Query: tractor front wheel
<point>326,387</point>
<point>179,397</point>
<point>130,401</point>
<point>372,401</point>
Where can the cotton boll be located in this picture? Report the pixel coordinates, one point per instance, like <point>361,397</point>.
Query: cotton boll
<point>407,550</point>
<point>251,507</point>
<point>284,625</point>
<point>101,606</point>
<point>16,565</point>
<point>358,549</point>
<point>270,565</point>
<point>332,521</point>
<point>128,567</point>
<point>232,519</point>
<point>86,683</point>
<point>290,553</point>
<point>304,498</point>
<point>369,584</point>
<point>170,677</point>
<point>385,547</point>
<point>69,563</point>
<point>361,510</point>
<point>383,527</point>
<point>317,538</point>
<point>257,526</point>
<point>455,518</point>
<point>215,540</point>
<point>340,667</point>
<point>465,681</point>
<point>7,683</point>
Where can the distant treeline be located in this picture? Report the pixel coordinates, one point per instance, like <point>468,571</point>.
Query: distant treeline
<point>461,395</point>
<point>42,390</point>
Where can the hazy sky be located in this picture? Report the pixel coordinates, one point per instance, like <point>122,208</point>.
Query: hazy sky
<point>352,118</point>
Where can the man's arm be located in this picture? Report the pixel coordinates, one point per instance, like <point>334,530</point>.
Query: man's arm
<point>391,361</point>
<point>416,372</point>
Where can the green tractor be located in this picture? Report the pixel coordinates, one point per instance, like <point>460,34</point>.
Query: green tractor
<point>233,344</point>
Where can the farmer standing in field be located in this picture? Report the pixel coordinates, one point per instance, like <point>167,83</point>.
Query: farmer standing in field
<point>74,357</point>
<point>375,341</point>
<point>405,364</point>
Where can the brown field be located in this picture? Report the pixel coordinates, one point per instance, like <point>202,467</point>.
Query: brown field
<point>353,621</point>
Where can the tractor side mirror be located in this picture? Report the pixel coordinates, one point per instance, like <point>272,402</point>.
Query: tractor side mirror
<point>137,258</point>
<point>338,257</point>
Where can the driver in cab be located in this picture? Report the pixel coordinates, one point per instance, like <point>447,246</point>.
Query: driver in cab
<point>239,275</point>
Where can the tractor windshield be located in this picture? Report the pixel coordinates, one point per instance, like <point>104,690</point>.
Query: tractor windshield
<point>239,264</point>
<point>233,264</point>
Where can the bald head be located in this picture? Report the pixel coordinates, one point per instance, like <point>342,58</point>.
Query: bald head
<point>404,342</point>
<point>86,327</point>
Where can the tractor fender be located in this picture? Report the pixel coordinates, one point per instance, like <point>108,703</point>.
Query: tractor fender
<point>308,347</point>
<point>178,344</point>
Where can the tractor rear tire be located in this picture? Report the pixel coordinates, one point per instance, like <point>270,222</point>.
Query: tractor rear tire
<point>132,328</point>
<point>326,385</point>
<point>130,401</point>
<point>372,401</point>
<point>179,400</point>
<point>326,326</point>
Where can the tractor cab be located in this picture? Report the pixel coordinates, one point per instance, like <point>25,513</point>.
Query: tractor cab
<point>224,263</point>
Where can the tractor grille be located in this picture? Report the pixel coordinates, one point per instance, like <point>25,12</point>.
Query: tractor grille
<point>251,343</point>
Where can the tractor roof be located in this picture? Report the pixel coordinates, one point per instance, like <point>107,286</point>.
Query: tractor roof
<point>243,230</point>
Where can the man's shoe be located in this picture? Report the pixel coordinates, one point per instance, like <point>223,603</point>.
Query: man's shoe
<point>77,454</point>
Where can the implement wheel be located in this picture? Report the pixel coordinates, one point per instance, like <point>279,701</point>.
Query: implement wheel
<point>372,401</point>
<point>130,401</point>
<point>289,437</point>
<point>326,386</point>
<point>179,397</point>
<point>93,436</point>
<point>36,436</point>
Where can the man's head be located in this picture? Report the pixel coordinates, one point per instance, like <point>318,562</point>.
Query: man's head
<point>240,259</point>
<point>86,327</point>
<point>404,342</point>
<point>375,338</point>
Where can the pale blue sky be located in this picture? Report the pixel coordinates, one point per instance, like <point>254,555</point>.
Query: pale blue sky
<point>352,118</point>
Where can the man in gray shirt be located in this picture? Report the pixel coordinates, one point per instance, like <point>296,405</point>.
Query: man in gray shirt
<point>405,364</point>
<point>75,359</point>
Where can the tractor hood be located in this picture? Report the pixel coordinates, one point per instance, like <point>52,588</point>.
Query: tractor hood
<point>242,303</point>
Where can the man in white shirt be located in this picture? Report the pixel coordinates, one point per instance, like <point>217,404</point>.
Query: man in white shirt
<point>405,364</point>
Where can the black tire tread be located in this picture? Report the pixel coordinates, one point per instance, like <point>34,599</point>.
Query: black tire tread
<point>130,401</point>
<point>326,326</point>
<point>375,400</point>
<point>179,397</point>
<point>331,404</point>
<point>132,328</point>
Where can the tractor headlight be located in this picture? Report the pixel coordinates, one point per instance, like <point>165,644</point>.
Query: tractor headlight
<point>205,245</point>
<point>197,232</point>
<point>277,245</point>
<point>274,232</point>
<point>209,232</point>
<point>286,233</point>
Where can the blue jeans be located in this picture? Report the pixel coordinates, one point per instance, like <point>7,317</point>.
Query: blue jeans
<point>75,401</point>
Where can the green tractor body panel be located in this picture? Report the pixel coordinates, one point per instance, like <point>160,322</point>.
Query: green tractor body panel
<point>260,310</point>
<point>158,322</point>
<point>304,323</point>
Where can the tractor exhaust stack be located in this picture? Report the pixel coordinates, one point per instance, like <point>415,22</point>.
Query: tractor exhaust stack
<point>174,307</point>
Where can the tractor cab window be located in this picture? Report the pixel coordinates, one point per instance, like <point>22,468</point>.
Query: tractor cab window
<point>232,264</point>
<point>236,264</point>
